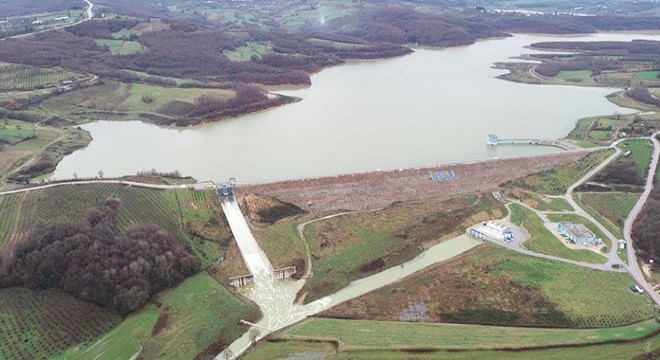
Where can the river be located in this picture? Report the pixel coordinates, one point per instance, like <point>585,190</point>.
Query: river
<point>432,106</point>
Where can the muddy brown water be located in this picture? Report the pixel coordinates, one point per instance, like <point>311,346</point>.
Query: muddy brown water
<point>432,106</point>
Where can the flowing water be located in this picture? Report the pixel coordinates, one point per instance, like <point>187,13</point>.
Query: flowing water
<point>276,298</point>
<point>432,106</point>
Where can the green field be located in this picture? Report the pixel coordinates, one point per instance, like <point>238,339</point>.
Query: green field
<point>194,217</point>
<point>543,241</point>
<point>292,349</point>
<point>121,47</point>
<point>555,181</point>
<point>382,335</point>
<point>641,151</point>
<point>14,136</point>
<point>24,77</point>
<point>577,77</point>
<point>37,324</point>
<point>131,99</point>
<point>200,314</point>
<point>245,53</point>
<point>647,75</point>
<point>613,206</point>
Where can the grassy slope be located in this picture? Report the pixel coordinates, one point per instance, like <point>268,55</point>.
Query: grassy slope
<point>281,243</point>
<point>362,335</point>
<point>342,246</point>
<point>290,349</point>
<point>543,241</point>
<point>613,206</point>
<point>200,312</point>
<point>513,289</point>
<point>557,180</point>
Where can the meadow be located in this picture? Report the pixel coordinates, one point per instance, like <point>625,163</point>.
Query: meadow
<point>512,290</point>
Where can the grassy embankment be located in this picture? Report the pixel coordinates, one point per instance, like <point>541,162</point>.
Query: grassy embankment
<point>353,246</point>
<point>539,201</point>
<point>291,348</point>
<point>490,285</point>
<point>199,317</point>
<point>375,335</point>
<point>543,241</point>
<point>557,180</point>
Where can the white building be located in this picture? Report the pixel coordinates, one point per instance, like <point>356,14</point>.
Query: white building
<point>491,230</point>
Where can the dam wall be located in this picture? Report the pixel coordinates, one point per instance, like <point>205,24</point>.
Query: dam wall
<point>362,191</point>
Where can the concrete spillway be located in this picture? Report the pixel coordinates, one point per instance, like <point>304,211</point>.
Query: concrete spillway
<point>254,257</point>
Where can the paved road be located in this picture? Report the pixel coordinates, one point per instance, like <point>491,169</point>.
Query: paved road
<point>89,14</point>
<point>613,257</point>
<point>100,181</point>
<point>633,265</point>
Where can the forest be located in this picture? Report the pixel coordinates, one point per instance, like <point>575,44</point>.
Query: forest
<point>646,231</point>
<point>94,262</point>
<point>643,95</point>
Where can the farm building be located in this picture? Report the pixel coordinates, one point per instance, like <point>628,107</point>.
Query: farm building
<point>491,230</point>
<point>578,234</point>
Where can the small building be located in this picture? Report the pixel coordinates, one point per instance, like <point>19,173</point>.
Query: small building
<point>491,230</point>
<point>492,140</point>
<point>622,244</point>
<point>578,234</point>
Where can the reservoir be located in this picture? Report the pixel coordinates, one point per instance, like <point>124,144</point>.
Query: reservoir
<point>433,106</point>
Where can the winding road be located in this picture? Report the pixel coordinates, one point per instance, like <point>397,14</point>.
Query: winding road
<point>89,15</point>
<point>633,265</point>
